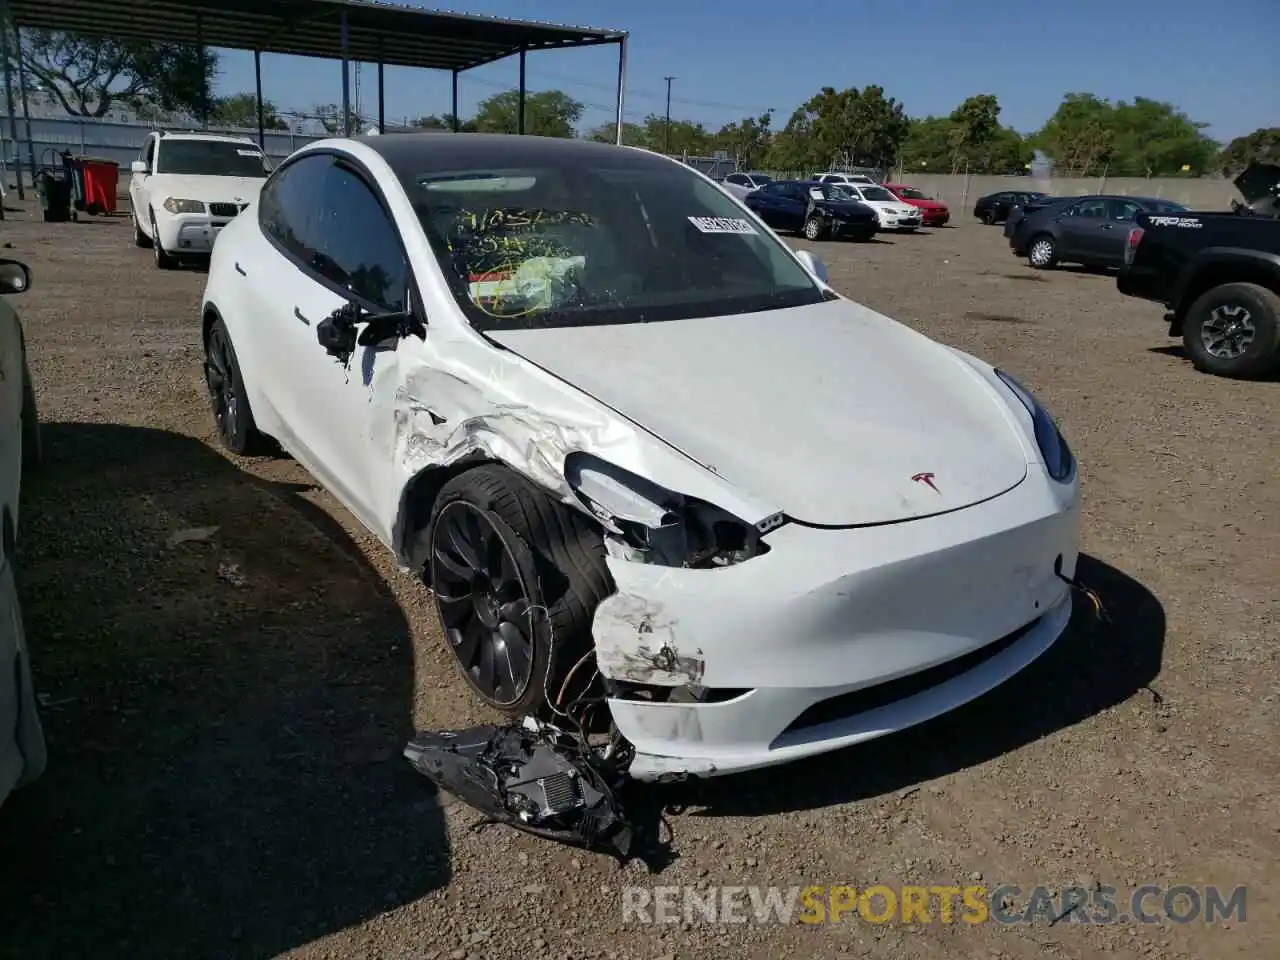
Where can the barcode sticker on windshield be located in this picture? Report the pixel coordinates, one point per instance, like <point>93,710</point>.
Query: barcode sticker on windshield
<point>249,153</point>
<point>722,225</point>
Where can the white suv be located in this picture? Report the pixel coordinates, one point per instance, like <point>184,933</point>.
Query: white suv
<point>185,187</point>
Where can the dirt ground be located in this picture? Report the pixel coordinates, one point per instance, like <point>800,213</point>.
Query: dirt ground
<point>226,706</point>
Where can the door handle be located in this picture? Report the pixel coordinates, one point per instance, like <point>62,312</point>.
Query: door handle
<point>297,312</point>
<point>240,269</point>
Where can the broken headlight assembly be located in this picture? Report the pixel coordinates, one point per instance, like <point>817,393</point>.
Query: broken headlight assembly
<point>651,524</point>
<point>1058,459</point>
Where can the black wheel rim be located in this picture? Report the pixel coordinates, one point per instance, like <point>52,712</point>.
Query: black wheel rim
<point>483,602</point>
<point>220,376</point>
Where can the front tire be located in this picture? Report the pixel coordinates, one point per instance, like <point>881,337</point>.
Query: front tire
<point>988,218</point>
<point>1042,252</point>
<point>230,403</point>
<point>140,239</point>
<point>814,229</point>
<point>517,578</point>
<point>1233,330</point>
<point>164,261</point>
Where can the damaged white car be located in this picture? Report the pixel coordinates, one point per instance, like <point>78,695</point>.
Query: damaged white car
<point>640,451</point>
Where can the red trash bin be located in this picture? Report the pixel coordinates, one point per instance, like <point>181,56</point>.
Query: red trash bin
<point>101,184</point>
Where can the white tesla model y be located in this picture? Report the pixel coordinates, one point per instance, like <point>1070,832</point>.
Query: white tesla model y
<point>633,442</point>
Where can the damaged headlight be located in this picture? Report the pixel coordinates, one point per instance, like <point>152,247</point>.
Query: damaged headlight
<point>1058,459</point>
<point>651,524</point>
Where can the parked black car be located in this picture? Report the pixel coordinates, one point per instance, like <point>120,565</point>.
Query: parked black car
<point>995,207</point>
<point>1218,275</point>
<point>815,209</point>
<point>1090,230</point>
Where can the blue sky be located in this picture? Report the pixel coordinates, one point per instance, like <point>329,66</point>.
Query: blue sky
<point>740,57</point>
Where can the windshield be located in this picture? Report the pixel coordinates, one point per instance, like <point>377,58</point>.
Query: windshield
<point>879,194</point>
<point>210,158</point>
<point>911,193</point>
<point>761,177</point>
<point>622,240</point>
<point>837,191</point>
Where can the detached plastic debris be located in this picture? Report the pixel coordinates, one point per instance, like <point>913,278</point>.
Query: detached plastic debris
<point>534,777</point>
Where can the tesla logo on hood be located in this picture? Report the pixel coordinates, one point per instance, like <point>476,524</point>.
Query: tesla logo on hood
<point>927,480</point>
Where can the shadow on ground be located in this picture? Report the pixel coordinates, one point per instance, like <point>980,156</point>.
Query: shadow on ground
<point>227,695</point>
<point>1094,666</point>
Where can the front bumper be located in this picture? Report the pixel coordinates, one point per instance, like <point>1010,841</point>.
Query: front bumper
<point>890,221</point>
<point>936,218</point>
<point>190,233</point>
<point>774,648</point>
<point>852,228</point>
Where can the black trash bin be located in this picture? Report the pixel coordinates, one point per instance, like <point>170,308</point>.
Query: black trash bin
<point>53,187</point>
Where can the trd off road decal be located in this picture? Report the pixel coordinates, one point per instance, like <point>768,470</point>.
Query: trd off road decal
<point>1187,223</point>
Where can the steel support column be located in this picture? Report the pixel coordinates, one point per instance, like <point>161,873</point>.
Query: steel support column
<point>453,120</point>
<point>520,103</point>
<point>346,80</point>
<point>257,83</point>
<point>26,108</point>
<point>622,81</point>
<point>8,97</point>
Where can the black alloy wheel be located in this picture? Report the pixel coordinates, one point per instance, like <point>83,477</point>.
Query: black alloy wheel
<point>484,601</point>
<point>236,428</point>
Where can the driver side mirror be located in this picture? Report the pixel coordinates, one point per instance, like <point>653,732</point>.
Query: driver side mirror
<point>337,333</point>
<point>138,166</point>
<point>15,277</point>
<point>814,264</point>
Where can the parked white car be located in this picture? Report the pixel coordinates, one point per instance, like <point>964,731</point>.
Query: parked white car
<point>634,443</point>
<point>22,744</point>
<point>740,184</point>
<point>894,214</point>
<point>843,178</point>
<point>185,187</point>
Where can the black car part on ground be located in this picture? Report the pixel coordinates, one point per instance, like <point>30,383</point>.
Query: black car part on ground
<point>535,778</point>
<point>1259,184</point>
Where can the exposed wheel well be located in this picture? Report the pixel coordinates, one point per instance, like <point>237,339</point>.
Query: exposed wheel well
<point>206,323</point>
<point>1215,275</point>
<point>419,500</point>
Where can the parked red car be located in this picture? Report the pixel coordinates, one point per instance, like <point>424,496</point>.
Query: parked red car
<point>934,212</point>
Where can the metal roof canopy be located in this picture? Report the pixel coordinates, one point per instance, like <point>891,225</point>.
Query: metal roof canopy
<point>361,30</point>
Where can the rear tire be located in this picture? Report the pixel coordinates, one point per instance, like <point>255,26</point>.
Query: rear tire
<point>1233,330</point>
<point>517,577</point>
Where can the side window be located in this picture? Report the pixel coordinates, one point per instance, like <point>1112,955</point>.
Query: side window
<point>149,152</point>
<point>360,246</point>
<point>1091,209</point>
<point>736,179</point>
<point>286,208</point>
<point>1124,210</point>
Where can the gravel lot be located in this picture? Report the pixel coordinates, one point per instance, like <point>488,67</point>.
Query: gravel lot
<point>226,713</point>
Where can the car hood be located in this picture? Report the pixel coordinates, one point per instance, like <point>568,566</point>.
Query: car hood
<point>834,412</point>
<point>891,206</point>
<point>1258,182</point>
<point>925,204</point>
<point>208,189</point>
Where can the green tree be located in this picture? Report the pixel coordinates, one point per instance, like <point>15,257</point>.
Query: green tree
<point>748,139</point>
<point>1154,139</point>
<point>855,127</point>
<point>443,122</point>
<point>929,145</point>
<point>685,138</point>
<point>90,75</point>
<point>241,110</point>
<point>330,117</point>
<point>550,113</point>
<point>633,134</point>
<point>1079,137</point>
<point>1261,146</point>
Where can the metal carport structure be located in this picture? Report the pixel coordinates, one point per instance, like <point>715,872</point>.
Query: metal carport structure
<point>368,32</point>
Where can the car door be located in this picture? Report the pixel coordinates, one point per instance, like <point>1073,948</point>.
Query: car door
<point>767,203</point>
<point>138,184</point>
<point>793,206</point>
<point>1082,231</point>
<point>357,258</point>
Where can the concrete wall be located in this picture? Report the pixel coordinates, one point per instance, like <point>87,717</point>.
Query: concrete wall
<point>960,192</point>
